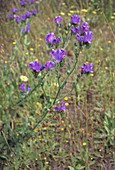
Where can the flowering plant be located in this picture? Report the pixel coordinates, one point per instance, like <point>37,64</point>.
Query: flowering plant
<point>42,72</point>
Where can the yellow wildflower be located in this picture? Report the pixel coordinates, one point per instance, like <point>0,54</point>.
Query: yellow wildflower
<point>27,61</point>
<point>66,104</point>
<point>101,48</point>
<point>6,62</point>
<point>57,85</point>
<point>84,10</point>
<point>62,13</point>
<point>47,163</point>
<point>69,14</point>
<point>65,98</point>
<point>31,49</point>
<point>39,104</point>
<point>84,144</point>
<point>77,11</point>
<point>106,67</point>
<point>14,42</point>
<point>36,59</point>
<point>26,53</point>
<point>92,75</point>
<point>62,129</point>
<point>112,17</point>
<point>94,12</point>
<point>109,42</point>
<point>17,134</point>
<point>72,12</point>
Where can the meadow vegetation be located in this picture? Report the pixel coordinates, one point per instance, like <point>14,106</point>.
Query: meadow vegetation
<point>34,133</point>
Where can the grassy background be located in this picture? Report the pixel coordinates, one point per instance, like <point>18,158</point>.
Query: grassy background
<point>90,114</point>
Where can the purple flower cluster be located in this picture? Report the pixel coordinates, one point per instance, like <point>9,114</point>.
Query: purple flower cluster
<point>14,10</point>
<point>49,65</point>
<point>75,19</point>
<point>58,20</point>
<point>22,3</point>
<point>27,29</point>
<point>11,16</point>
<point>23,17</point>
<point>31,1</point>
<point>62,108</point>
<point>17,19</point>
<point>86,68</point>
<point>58,55</point>
<point>88,37</point>
<point>34,12</point>
<point>28,14</point>
<point>23,88</point>
<point>85,37</point>
<point>84,27</point>
<point>36,67</point>
<point>74,30</point>
<point>51,39</point>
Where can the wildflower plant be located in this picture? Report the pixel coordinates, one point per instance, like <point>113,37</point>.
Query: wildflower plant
<point>40,73</point>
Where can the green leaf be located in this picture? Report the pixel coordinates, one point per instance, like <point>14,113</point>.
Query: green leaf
<point>71,168</point>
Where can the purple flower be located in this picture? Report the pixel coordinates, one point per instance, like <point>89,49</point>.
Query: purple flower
<point>31,1</point>
<point>56,41</point>
<point>58,55</point>
<point>62,108</point>
<point>11,16</point>
<point>28,14</point>
<point>74,30</point>
<point>79,38</point>
<point>49,65</point>
<point>28,28</point>
<point>35,66</point>
<point>75,19</point>
<point>14,10</point>
<point>29,88</point>
<point>58,19</point>
<point>84,27</point>
<point>22,2</point>
<point>23,31</point>
<point>17,19</point>
<point>34,12</point>
<point>22,87</point>
<point>88,37</point>
<point>50,38</point>
<point>87,69</point>
<point>56,108</point>
<point>23,17</point>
